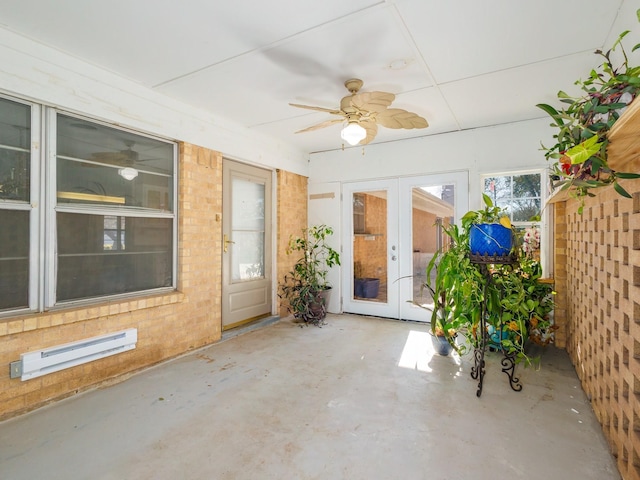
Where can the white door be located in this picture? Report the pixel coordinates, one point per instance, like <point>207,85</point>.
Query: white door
<point>370,248</point>
<point>391,229</point>
<point>426,203</point>
<point>246,243</point>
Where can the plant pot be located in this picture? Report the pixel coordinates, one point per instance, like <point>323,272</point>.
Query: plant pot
<point>490,239</point>
<point>366,287</point>
<point>441,345</point>
<point>495,342</point>
<point>317,308</point>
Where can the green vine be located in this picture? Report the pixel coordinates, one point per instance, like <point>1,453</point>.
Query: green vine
<point>579,155</point>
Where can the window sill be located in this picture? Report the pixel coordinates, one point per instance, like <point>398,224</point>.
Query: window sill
<point>65,315</point>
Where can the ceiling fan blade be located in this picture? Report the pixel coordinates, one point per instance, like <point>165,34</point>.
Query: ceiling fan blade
<point>372,101</point>
<point>332,111</point>
<point>372,130</point>
<point>398,118</point>
<point>321,125</point>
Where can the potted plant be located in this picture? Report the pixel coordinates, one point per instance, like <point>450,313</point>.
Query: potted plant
<point>580,152</point>
<point>305,287</point>
<point>490,233</point>
<point>516,305</point>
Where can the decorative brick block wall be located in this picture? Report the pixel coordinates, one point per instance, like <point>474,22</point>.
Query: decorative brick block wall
<point>292,219</point>
<point>168,324</point>
<point>597,275</point>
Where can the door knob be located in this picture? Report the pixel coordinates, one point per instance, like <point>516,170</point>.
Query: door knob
<point>226,243</point>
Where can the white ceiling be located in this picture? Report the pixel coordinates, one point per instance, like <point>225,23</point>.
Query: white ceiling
<point>463,63</point>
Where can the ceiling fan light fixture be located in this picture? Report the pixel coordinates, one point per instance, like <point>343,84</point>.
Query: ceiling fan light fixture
<point>353,133</point>
<point>128,173</point>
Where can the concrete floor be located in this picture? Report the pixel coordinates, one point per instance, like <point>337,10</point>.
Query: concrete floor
<point>360,398</point>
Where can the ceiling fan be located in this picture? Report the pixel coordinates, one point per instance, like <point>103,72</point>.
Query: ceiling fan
<point>363,112</point>
<point>126,157</point>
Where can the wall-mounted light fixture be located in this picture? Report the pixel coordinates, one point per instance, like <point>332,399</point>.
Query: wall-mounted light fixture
<point>128,173</point>
<point>353,133</point>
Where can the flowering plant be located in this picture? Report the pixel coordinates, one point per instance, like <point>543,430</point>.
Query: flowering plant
<point>531,240</point>
<point>580,153</point>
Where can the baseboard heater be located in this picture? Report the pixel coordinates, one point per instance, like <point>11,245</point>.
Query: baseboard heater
<point>52,359</point>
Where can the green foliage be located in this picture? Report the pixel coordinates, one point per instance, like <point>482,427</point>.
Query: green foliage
<point>489,214</point>
<point>516,301</point>
<point>580,153</point>
<point>304,286</point>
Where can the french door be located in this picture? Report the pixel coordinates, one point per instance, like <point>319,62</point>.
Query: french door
<point>392,228</point>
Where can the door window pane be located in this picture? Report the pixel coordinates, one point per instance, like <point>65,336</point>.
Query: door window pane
<point>86,268</point>
<point>432,208</point>
<point>370,248</point>
<point>247,229</point>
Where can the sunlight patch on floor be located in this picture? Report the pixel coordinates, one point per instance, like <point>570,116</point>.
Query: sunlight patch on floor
<point>417,352</point>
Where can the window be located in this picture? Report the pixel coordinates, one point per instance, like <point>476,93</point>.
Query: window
<point>107,220</point>
<point>521,195</point>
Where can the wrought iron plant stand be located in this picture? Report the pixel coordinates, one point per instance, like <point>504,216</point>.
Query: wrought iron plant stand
<point>484,341</point>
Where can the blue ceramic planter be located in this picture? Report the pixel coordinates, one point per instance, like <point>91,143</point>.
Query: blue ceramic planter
<point>441,345</point>
<point>490,239</point>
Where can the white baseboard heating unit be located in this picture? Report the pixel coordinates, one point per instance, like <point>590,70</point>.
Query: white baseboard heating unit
<point>52,359</point>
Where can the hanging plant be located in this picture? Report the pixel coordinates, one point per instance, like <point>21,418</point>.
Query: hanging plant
<point>580,154</point>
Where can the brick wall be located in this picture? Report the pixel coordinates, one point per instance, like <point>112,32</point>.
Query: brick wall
<point>292,219</point>
<point>168,324</point>
<point>597,275</point>
<point>424,236</point>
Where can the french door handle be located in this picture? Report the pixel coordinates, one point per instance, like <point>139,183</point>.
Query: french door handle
<point>226,243</point>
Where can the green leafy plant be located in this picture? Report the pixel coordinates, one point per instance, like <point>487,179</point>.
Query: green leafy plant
<point>490,213</point>
<point>305,286</point>
<point>579,155</point>
<point>516,303</point>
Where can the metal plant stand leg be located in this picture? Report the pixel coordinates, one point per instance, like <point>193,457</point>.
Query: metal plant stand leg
<point>478,370</point>
<point>509,367</point>
<point>508,361</point>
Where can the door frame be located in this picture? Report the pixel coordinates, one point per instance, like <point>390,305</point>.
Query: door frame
<point>364,307</point>
<point>399,219</point>
<point>270,267</point>
<point>460,179</point>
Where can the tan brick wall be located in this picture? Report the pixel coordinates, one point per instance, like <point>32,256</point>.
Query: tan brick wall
<point>598,283</point>
<point>292,219</point>
<point>424,236</point>
<point>168,324</point>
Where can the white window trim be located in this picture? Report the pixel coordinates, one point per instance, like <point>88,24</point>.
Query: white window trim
<point>43,209</point>
<point>545,239</point>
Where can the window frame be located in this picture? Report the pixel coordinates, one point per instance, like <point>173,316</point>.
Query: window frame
<point>543,224</point>
<point>42,206</point>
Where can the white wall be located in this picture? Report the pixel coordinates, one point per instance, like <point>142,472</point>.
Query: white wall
<point>501,148</point>
<point>324,209</point>
<point>498,149</point>
<point>42,74</point>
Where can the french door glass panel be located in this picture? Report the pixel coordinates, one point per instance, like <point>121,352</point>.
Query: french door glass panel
<point>370,261</point>
<point>392,230</point>
<point>428,204</point>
